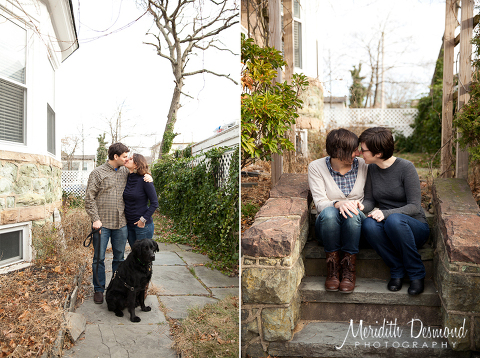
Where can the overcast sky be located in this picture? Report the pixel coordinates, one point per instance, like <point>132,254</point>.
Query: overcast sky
<point>113,67</point>
<point>413,36</point>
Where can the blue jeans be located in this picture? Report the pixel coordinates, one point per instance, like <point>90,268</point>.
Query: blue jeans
<point>336,233</point>
<point>119,239</point>
<point>397,240</point>
<point>138,233</point>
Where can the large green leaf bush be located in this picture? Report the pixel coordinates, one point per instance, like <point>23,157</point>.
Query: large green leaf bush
<point>268,108</point>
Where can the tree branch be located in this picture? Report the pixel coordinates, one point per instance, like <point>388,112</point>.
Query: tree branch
<point>208,71</point>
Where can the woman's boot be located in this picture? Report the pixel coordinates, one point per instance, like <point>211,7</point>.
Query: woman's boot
<point>348,273</point>
<point>333,271</point>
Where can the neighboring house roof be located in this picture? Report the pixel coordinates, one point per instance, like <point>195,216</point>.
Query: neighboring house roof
<point>81,157</point>
<point>335,99</point>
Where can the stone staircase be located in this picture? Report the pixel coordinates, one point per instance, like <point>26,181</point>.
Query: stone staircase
<point>371,303</point>
<point>286,312</point>
<point>328,319</point>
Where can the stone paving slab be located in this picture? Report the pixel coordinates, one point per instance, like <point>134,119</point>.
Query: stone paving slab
<point>164,246</point>
<point>184,247</point>
<point>222,293</point>
<point>95,313</point>
<point>176,280</point>
<point>192,258</point>
<point>177,306</point>
<point>167,258</point>
<point>107,335</point>
<point>214,278</point>
<point>106,341</point>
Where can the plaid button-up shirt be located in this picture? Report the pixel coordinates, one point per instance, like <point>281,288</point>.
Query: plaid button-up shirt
<point>104,196</point>
<point>345,182</point>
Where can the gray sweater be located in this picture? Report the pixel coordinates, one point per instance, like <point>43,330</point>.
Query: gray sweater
<point>395,189</point>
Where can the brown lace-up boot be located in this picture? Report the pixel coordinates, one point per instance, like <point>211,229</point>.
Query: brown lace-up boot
<point>348,273</point>
<point>333,271</point>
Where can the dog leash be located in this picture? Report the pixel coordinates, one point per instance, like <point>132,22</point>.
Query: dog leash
<point>87,242</point>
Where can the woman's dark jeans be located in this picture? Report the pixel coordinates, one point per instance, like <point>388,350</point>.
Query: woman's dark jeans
<point>138,233</point>
<point>336,233</point>
<point>397,240</point>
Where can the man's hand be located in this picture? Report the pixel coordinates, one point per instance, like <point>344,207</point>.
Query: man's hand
<point>377,215</point>
<point>347,207</point>
<point>97,225</point>
<point>140,224</point>
<point>147,178</point>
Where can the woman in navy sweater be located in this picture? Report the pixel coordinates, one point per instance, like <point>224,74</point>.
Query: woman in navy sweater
<point>136,196</point>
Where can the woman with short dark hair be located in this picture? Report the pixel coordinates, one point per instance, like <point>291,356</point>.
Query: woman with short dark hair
<point>336,183</point>
<point>396,227</point>
<point>136,196</point>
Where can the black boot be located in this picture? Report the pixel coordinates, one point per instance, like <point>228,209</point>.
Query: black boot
<point>416,287</point>
<point>395,284</point>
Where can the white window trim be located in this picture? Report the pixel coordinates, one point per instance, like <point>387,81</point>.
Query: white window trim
<point>299,20</point>
<point>8,145</point>
<point>27,253</point>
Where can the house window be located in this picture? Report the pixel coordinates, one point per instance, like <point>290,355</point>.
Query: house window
<point>297,43</point>
<point>13,44</point>
<point>85,165</point>
<point>14,244</point>
<point>50,130</point>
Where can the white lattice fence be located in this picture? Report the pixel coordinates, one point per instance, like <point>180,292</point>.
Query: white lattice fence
<point>225,160</point>
<point>398,119</point>
<point>75,182</point>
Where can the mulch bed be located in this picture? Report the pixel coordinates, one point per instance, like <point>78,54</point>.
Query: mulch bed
<point>31,307</point>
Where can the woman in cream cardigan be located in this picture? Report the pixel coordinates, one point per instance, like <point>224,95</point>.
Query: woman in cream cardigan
<point>337,183</point>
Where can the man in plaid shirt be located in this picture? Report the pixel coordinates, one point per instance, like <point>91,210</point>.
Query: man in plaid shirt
<point>104,204</point>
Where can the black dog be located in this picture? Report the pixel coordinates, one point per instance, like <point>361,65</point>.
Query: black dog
<point>127,287</point>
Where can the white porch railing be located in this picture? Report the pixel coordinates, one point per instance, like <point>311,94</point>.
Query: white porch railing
<point>398,119</point>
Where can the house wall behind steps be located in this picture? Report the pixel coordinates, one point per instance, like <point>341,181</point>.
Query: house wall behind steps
<point>457,259</point>
<point>272,266</point>
<point>30,188</point>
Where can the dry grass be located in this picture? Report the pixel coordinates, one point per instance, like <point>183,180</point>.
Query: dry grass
<point>32,300</point>
<point>211,331</point>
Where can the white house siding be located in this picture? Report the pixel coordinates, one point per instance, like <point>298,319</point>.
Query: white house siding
<point>30,176</point>
<point>227,138</point>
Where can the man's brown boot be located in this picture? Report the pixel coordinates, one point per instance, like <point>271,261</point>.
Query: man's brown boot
<point>333,271</point>
<point>348,273</point>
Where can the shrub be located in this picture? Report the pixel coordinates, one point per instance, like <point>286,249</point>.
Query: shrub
<point>199,204</point>
<point>427,126</point>
<point>467,119</point>
<point>268,109</point>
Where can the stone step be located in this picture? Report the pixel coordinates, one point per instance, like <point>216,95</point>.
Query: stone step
<point>368,265</point>
<point>327,339</point>
<point>371,302</point>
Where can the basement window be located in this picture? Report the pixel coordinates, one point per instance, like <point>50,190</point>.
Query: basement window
<point>14,244</point>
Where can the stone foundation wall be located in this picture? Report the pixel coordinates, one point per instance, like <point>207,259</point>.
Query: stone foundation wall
<point>272,265</point>
<point>30,188</point>
<point>457,259</point>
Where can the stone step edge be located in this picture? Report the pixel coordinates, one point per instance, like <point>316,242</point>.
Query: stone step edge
<point>367,291</point>
<point>328,339</point>
<point>314,251</point>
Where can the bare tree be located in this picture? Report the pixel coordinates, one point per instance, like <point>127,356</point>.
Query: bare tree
<point>383,53</point>
<point>69,146</point>
<point>118,121</point>
<point>186,27</point>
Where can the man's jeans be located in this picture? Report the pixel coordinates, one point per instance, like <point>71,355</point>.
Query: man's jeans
<point>397,240</point>
<point>118,239</point>
<point>336,233</point>
<point>138,233</point>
